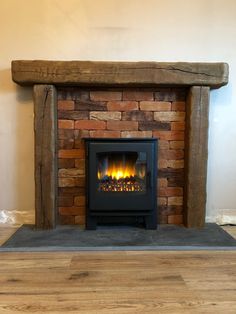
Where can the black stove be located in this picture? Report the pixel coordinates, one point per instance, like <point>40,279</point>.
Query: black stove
<point>121,181</point>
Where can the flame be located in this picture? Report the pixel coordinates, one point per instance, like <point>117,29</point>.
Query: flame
<point>121,172</point>
<point>118,171</point>
<point>121,175</point>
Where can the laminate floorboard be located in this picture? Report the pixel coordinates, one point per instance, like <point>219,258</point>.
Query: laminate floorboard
<point>231,230</point>
<point>6,232</point>
<point>118,282</point>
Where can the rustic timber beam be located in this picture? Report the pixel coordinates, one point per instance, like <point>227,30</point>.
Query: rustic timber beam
<point>98,73</point>
<point>45,130</point>
<point>196,154</point>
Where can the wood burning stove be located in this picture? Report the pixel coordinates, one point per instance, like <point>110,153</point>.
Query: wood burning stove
<point>121,181</point>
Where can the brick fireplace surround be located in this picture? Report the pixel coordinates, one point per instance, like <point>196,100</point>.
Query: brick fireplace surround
<point>77,99</point>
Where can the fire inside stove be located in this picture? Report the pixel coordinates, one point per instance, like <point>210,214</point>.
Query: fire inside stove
<point>122,172</point>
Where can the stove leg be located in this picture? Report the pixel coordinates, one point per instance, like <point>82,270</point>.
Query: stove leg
<point>150,222</point>
<point>91,223</point>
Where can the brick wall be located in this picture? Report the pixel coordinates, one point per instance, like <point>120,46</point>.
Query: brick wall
<point>122,113</point>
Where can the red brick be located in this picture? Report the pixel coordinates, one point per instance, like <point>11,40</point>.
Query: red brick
<point>122,105</point>
<point>137,95</point>
<point>177,144</point>
<point>79,138</point>
<point>67,220</point>
<point>169,135</point>
<point>162,219</point>
<point>71,153</point>
<point>172,210</point>
<point>122,125</point>
<point>66,163</point>
<point>177,126</point>
<point>79,144</point>
<point>75,191</point>
<point>162,182</point>
<point>80,134</point>
<point>175,200</point>
<point>70,172</point>
<point>175,219</point>
<point>79,200</point>
<point>163,94</point>
<point>80,164</point>
<point>105,95</point>
<point>65,144</point>
<point>154,125</point>
<point>72,93</point>
<point>155,106</point>
<point>80,220</point>
<point>90,105</point>
<point>162,201</point>
<point>72,210</point>
<point>73,115</point>
<point>175,164</point>
<point>171,173</point>
<point>176,181</point>
<point>162,163</point>
<point>64,134</point>
<point>66,105</point>
<point>104,134</point>
<point>65,124</point>
<point>169,116</point>
<point>105,115</point>
<point>67,182</point>
<point>71,182</point>
<point>137,116</point>
<point>167,94</point>
<point>178,106</point>
<point>138,134</point>
<point>163,144</point>
<point>65,200</point>
<point>171,154</point>
<point>170,191</point>
<point>90,125</point>
<point>80,181</point>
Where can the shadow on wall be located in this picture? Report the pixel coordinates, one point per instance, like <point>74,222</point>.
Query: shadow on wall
<point>6,84</point>
<point>25,151</point>
<point>19,162</point>
<point>23,94</point>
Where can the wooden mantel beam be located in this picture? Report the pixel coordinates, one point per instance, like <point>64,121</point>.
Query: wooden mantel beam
<point>99,73</point>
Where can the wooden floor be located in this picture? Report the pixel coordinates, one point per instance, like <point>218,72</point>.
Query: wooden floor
<point>118,282</point>
<point>231,230</point>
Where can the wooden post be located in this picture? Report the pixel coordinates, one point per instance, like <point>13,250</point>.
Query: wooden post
<point>45,128</point>
<point>196,156</point>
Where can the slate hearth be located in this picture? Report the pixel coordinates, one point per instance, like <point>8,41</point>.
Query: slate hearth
<point>171,237</point>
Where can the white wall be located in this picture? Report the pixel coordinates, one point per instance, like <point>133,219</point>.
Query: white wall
<point>170,30</point>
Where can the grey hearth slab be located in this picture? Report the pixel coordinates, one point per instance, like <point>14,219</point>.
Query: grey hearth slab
<point>166,237</point>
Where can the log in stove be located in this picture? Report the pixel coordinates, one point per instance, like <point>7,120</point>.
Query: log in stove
<point>121,181</point>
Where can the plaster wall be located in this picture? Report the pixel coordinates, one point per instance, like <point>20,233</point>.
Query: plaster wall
<point>118,30</point>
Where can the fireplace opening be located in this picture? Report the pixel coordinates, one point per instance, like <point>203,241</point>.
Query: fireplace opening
<point>121,181</point>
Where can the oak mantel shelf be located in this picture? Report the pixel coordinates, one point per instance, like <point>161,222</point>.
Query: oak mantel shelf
<point>99,73</point>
